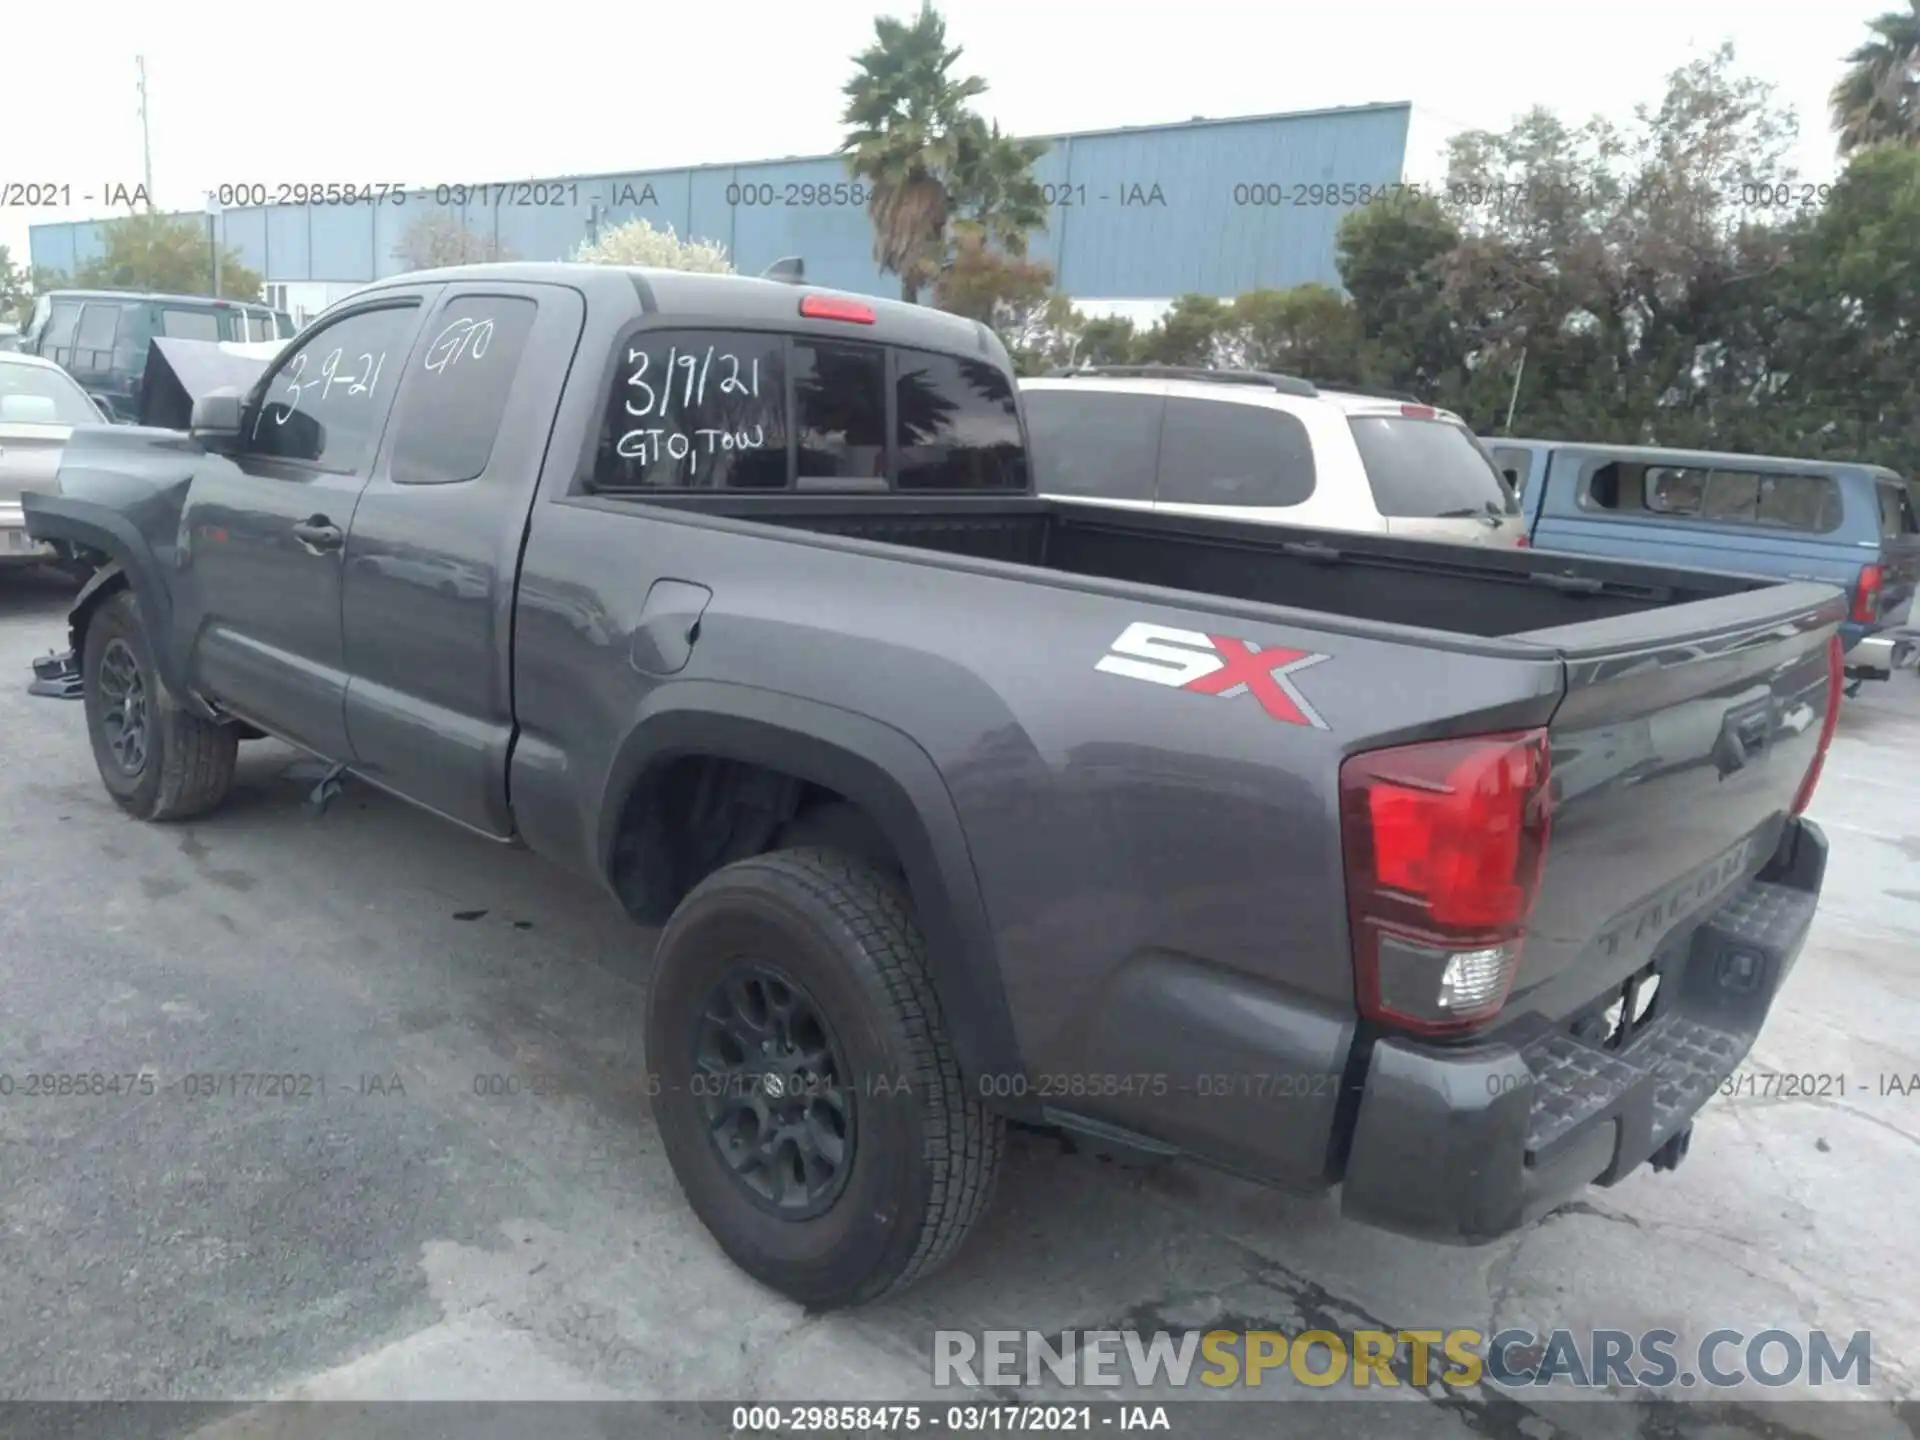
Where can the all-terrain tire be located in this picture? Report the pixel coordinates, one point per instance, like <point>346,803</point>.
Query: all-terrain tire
<point>188,763</point>
<point>924,1151</point>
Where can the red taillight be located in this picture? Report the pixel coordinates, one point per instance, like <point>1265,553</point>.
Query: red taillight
<point>1836,680</point>
<point>831,307</point>
<point>1444,844</point>
<point>1418,412</point>
<point>1866,595</point>
<point>1524,542</point>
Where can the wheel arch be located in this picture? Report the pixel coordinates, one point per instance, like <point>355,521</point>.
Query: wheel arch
<point>891,779</point>
<point>131,565</point>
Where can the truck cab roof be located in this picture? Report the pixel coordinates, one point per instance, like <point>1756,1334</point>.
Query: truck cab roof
<point>732,300</point>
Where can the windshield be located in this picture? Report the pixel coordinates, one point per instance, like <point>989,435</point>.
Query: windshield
<point>35,395</point>
<point>1429,469</point>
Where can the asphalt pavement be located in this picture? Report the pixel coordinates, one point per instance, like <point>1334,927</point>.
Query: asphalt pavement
<point>441,1180</point>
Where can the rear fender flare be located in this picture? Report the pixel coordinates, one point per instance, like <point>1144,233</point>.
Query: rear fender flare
<point>889,776</point>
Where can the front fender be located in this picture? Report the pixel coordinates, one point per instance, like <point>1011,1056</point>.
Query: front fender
<point>120,492</point>
<point>131,562</point>
<point>889,776</point>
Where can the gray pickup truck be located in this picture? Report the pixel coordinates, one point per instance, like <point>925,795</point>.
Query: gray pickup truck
<point>1454,878</point>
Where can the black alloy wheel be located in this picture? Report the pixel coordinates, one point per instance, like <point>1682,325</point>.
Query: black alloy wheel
<point>124,717</point>
<point>772,1080</point>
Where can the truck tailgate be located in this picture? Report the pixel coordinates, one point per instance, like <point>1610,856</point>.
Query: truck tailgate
<point>1675,766</point>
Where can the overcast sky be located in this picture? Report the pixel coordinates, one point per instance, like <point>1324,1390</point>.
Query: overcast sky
<point>360,92</point>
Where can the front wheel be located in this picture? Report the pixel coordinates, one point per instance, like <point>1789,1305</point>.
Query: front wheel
<point>806,1094</point>
<point>158,761</point>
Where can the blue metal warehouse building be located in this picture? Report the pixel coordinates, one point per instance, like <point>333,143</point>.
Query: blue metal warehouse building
<point>1138,214</point>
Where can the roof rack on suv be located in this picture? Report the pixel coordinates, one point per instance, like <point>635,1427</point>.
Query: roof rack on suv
<point>1285,384</point>
<point>1372,392</point>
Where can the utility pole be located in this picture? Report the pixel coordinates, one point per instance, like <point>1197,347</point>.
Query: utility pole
<point>1514,400</point>
<point>146,134</point>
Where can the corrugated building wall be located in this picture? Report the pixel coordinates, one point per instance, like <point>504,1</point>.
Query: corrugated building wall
<point>1138,214</point>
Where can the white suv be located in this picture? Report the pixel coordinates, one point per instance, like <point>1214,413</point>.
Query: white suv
<point>1247,445</point>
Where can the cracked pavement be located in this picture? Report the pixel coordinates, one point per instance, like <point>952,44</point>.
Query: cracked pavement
<point>418,1238</point>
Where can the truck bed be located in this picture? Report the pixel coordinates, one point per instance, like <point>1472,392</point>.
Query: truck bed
<point>1467,590</point>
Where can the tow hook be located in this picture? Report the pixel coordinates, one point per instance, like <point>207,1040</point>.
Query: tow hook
<point>57,677</point>
<point>1669,1155</point>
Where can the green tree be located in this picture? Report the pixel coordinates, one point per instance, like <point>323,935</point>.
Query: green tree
<point>1309,330</point>
<point>927,159</point>
<point>1016,298</point>
<point>1190,333</point>
<point>168,253</point>
<point>1877,100</point>
<point>16,289</point>
<point>1390,256</point>
<point>1109,340</point>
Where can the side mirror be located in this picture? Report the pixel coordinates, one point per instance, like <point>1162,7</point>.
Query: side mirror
<point>104,406</point>
<point>215,420</point>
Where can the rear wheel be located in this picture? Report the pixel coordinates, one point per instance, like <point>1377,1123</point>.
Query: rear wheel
<point>806,1094</point>
<point>158,761</point>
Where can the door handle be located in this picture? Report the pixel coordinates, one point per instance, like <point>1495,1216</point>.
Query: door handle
<point>319,534</point>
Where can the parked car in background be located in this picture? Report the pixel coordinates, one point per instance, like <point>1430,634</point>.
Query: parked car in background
<point>1853,526</point>
<point>100,337</point>
<point>40,404</point>
<point>1251,445</point>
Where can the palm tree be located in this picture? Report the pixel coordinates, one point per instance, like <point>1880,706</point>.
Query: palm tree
<point>994,190</point>
<point>1878,99</point>
<point>907,116</point>
<point>927,159</point>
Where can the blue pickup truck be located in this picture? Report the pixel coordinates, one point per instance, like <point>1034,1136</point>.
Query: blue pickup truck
<point>1849,525</point>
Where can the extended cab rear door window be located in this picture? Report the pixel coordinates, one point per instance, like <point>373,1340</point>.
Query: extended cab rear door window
<point>1428,470</point>
<point>448,412</point>
<point>1100,445</point>
<point>958,425</point>
<point>1220,452</point>
<point>696,410</point>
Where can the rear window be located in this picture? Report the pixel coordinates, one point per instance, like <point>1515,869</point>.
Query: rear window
<point>35,395</point>
<point>696,410</point>
<point>739,410</point>
<point>1808,503</point>
<point>1101,445</point>
<point>1221,452</point>
<point>957,425</point>
<point>840,408</point>
<point>1896,512</point>
<point>1428,469</point>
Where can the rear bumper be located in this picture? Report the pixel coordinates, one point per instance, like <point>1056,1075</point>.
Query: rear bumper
<point>1873,657</point>
<point>1463,1146</point>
